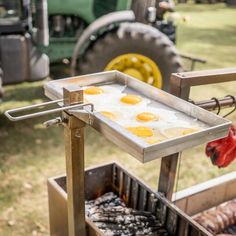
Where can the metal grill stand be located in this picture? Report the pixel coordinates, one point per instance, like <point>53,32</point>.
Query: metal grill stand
<point>74,152</point>
<point>74,155</point>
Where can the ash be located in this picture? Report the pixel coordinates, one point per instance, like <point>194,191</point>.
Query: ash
<point>113,218</point>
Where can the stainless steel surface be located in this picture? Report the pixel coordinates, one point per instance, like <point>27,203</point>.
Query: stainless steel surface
<point>9,113</point>
<point>217,126</point>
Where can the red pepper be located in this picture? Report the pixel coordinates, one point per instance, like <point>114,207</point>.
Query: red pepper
<point>223,151</point>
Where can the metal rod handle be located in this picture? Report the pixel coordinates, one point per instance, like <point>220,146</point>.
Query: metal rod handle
<point>9,113</point>
<point>211,104</point>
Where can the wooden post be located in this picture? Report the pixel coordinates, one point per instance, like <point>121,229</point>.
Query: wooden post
<point>167,175</point>
<point>74,152</point>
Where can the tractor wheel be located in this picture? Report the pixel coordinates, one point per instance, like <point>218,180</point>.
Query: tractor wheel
<point>135,49</point>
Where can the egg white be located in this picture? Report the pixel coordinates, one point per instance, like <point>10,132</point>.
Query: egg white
<point>125,114</point>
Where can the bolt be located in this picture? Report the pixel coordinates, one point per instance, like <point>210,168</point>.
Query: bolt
<point>55,121</point>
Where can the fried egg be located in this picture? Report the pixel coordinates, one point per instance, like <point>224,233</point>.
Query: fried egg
<point>153,140</point>
<point>93,90</point>
<point>173,132</point>
<point>133,112</point>
<point>103,89</point>
<point>109,115</point>
<point>141,131</point>
<point>146,117</point>
<point>156,138</point>
<point>103,96</point>
<point>133,100</point>
<point>151,116</point>
<point>114,115</point>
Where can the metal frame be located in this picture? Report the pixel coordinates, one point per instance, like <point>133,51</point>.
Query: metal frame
<point>181,84</point>
<point>193,60</point>
<point>207,194</point>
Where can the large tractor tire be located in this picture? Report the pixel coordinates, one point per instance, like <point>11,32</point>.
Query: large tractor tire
<point>135,49</point>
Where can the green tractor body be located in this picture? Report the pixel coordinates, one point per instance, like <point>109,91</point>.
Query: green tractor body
<point>88,10</point>
<point>84,12</point>
<point>95,35</point>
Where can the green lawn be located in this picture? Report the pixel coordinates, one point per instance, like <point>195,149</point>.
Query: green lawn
<point>30,153</point>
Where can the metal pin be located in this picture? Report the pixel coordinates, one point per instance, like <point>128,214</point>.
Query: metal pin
<point>55,121</point>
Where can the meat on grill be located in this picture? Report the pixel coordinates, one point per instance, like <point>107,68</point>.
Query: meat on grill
<point>221,220</point>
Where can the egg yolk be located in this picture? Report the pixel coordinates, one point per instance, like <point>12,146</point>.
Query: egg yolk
<point>93,90</point>
<point>146,117</point>
<point>178,131</point>
<point>131,99</point>
<point>153,141</point>
<point>108,114</point>
<point>141,131</point>
<point>189,131</point>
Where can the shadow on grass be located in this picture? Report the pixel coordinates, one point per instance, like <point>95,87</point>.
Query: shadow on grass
<point>23,92</point>
<point>27,138</point>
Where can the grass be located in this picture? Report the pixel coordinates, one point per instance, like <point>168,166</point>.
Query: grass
<point>30,153</point>
<point>209,33</point>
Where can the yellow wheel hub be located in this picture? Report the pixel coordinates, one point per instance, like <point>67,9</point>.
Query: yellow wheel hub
<point>138,66</point>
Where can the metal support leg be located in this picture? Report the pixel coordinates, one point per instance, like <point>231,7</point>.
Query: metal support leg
<point>74,150</point>
<point>168,175</point>
<point>169,163</point>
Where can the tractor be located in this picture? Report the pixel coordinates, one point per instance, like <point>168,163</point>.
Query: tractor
<point>93,35</point>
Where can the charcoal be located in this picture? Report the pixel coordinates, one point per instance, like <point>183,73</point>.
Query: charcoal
<point>230,230</point>
<point>113,218</point>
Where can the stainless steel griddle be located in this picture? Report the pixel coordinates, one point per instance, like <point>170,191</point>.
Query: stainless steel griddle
<point>215,126</point>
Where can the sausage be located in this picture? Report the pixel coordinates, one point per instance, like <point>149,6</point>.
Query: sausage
<point>217,220</point>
